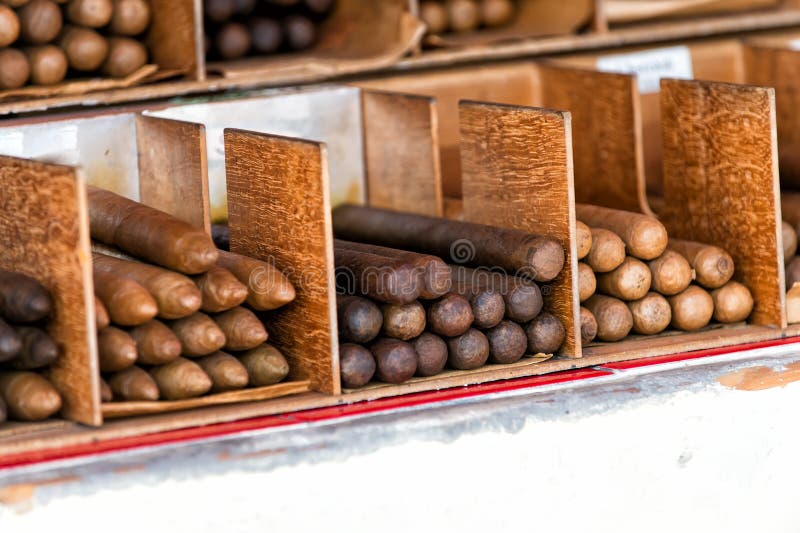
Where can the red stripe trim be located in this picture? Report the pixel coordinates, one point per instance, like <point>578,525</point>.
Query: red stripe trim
<point>341,411</point>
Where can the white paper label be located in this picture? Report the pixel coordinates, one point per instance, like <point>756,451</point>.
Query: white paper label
<point>650,66</point>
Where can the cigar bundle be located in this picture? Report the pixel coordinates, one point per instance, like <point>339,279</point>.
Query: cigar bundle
<point>403,311</point>
<point>26,350</point>
<point>634,278</point>
<point>237,28</point>
<point>441,16</point>
<point>181,314</point>
<point>42,41</point>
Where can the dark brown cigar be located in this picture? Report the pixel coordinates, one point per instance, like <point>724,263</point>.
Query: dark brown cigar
<point>360,320</point>
<point>155,343</point>
<point>507,342</point>
<point>381,278</point>
<point>23,299</point>
<point>545,334</point>
<point>403,322</point>
<point>243,330</point>
<point>265,365</point>
<point>198,334</point>
<point>133,385</point>
<point>488,306</point>
<point>220,289</point>
<point>226,372</point>
<point>117,350</point>
<point>10,342</point>
<point>396,360</point>
<point>435,272</point>
<point>356,364</point>
<point>468,351</point>
<point>450,316</point>
<point>588,326</point>
<point>523,299</point>
<point>539,257</point>
<point>28,396</point>
<point>38,349</point>
<point>181,379</point>
<point>431,354</point>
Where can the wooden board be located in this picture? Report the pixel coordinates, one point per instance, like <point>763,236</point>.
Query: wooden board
<point>607,135</point>
<point>173,171</point>
<point>721,181</point>
<point>279,211</point>
<point>779,67</point>
<point>517,173</point>
<point>44,233</point>
<point>175,38</point>
<point>401,152</point>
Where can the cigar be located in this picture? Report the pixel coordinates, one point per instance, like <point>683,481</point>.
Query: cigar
<point>488,306</point>
<point>90,13</point>
<point>23,299</point>
<point>395,360</point>
<point>233,40</point>
<point>644,236</point>
<point>450,316</point>
<point>468,351</point>
<point>587,282</point>
<point>507,342</point>
<point>789,241</point>
<point>692,309</point>
<point>86,51</point>
<point>130,17</point>
<point>732,302</point>
<point>133,385</point>
<point>539,257</point>
<point>155,343</point>
<point>713,266</point>
<point>9,26</point>
<point>464,15</point>
<point>523,299</point>
<point>106,394</point>
<point>127,302</point>
<point>403,322</point>
<point>588,326</point>
<point>583,239</point>
<point>14,69</point>
<point>434,15</point>
<point>38,349</point>
<point>266,35</point>
<point>218,10</point>
<point>198,334</point>
<point>614,319</point>
<point>243,330</point>
<point>28,396</point>
<point>652,314</point>
<point>3,410</point>
<point>299,32</point>
<point>180,379</point>
<point>607,251</point>
<point>267,287</point>
<point>671,273</point>
<point>125,56</point>
<point>100,314</point>
<point>793,304</point>
<point>793,272</point>
<point>149,234</point>
<point>40,21</point>
<point>221,235</point>
<point>220,289</point>
<point>226,372</point>
<point>48,64</point>
<point>545,334</point>
<point>629,281</point>
<point>431,354</point>
<point>10,342</point>
<point>265,365</point>
<point>496,13</point>
<point>356,365</point>
<point>176,296</point>
<point>380,278</point>
<point>117,350</point>
<point>359,319</point>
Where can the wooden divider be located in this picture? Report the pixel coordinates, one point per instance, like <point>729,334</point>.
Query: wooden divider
<point>517,173</point>
<point>44,233</point>
<point>173,170</point>
<point>401,140</point>
<point>721,181</point>
<point>279,211</point>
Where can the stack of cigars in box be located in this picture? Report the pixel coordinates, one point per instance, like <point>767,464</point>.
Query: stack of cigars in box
<point>790,209</point>
<point>634,278</point>
<point>176,316</point>
<point>42,41</point>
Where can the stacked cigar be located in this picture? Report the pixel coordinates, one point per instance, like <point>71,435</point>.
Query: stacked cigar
<point>236,28</point>
<point>403,311</point>
<point>790,207</point>
<point>40,40</point>
<point>25,350</point>
<point>460,16</point>
<point>175,317</point>
<point>632,277</point>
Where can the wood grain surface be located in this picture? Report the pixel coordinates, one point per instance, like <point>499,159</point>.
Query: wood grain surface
<point>517,173</point>
<point>279,211</point>
<point>44,233</point>
<point>401,152</point>
<point>607,136</point>
<point>173,168</point>
<point>721,181</point>
<point>175,38</point>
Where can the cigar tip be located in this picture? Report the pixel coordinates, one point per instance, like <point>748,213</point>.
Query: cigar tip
<point>233,375</point>
<point>47,400</point>
<point>197,382</point>
<point>148,391</point>
<point>190,298</point>
<point>40,305</point>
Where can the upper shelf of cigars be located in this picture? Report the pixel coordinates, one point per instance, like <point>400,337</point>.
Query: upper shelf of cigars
<point>54,52</point>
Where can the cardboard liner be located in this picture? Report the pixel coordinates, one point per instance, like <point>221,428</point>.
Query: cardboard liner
<point>630,11</point>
